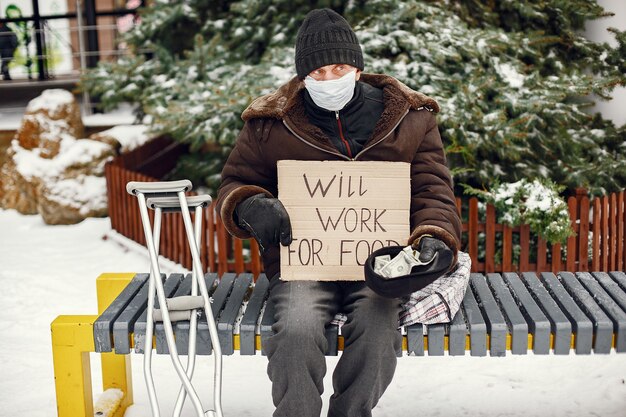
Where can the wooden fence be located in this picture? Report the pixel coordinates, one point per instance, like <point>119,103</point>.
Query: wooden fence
<point>599,223</point>
<point>220,252</point>
<point>598,243</point>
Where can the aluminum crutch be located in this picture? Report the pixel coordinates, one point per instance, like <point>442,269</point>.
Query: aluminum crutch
<point>173,204</point>
<point>178,188</point>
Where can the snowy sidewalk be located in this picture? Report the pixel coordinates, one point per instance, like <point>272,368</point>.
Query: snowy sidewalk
<point>51,270</point>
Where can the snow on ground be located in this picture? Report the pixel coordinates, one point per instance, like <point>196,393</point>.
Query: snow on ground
<point>51,270</point>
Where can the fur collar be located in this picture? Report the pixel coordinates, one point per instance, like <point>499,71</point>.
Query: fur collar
<point>287,104</point>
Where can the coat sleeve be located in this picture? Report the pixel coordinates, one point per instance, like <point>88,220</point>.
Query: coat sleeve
<point>245,174</point>
<point>433,208</point>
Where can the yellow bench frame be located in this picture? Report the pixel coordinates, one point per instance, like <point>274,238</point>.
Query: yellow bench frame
<point>72,341</point>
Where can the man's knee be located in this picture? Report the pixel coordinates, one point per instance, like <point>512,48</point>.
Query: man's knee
<point>374,320</point>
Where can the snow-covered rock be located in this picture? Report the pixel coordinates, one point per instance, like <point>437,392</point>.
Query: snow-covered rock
<point>51,170</point>
<point>71,200</point>
<point>48,119</point>
<point>16,191</point>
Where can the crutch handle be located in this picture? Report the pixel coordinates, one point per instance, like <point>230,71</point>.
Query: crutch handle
<point>158,187</point>
<point>172,204</point>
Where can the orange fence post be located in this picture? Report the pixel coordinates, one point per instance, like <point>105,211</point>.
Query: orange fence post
<point>595,248</point>
<point>570,260</point>
<point>583,235</point>
<point>605,234</point>
<point>524,240</point>
<point>542,249</point>
<point>472,232</point>
<point>222,248</point>
<point>621,212</point>
<point>612,232</point>
<point>490,239</point>
<point>556,257</point>
<point>507,248</point>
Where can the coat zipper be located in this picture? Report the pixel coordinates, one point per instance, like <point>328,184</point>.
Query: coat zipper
<point>345,142</point>
<point>312,145</point>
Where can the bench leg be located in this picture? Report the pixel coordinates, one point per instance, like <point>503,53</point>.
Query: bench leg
<point>116,369</point>
<point>72,340</point>
<point>116,373</point>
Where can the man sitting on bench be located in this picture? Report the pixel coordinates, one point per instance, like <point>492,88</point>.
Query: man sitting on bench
<point>333,111</point>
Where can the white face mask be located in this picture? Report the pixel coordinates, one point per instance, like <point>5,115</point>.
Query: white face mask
<point>334,94</point>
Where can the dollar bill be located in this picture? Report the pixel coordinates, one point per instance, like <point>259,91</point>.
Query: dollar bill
<point>380,262</point>
<point>400,265</point>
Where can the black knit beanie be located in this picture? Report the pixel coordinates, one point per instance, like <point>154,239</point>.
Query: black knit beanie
<point>326,38</point>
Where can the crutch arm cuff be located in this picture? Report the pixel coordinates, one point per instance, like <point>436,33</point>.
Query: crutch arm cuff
<point>172,204</point>
<point>158,187</point>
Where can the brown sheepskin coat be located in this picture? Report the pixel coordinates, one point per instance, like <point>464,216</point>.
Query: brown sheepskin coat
<point>277,128</point>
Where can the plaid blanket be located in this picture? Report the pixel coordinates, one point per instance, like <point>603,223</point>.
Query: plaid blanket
<point>437,302</point>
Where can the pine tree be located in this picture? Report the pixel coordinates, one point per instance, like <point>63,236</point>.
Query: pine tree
<point>512,78</point>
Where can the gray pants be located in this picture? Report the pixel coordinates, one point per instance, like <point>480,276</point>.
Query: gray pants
<point>296,350</point>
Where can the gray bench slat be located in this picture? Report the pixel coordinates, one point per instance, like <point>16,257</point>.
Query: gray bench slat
<point>219,296</point>
<point>610,307</point>
<point>226,322</point>
<point>169,287</point>
<point>496,325</point>
<point>620,278</point>
<point>184,288</point>
<point>476,323</point>
<point>124,325</point>
<point>458,334</point>
<point>560,324</point>
<point>436,335</point>
<point>581,325</point>
<point>612,287</point>
<point>415,339</point>
<point>538,323</point>
<point>159,328</point>
<point>247,332</point>
<point>181,328</point>
<point>512,314</point>
<point>103,326</point>
<point>603,326</point>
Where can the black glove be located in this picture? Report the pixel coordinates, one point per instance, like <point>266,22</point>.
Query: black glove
<point>428,246</point>
<point>266,219</point>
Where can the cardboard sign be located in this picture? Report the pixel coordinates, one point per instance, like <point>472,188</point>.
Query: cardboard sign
<point>341,212</point>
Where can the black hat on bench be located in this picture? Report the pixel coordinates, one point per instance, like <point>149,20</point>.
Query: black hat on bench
<point>401,286</point>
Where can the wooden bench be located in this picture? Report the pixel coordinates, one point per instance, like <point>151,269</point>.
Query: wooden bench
<point>560,314</point>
